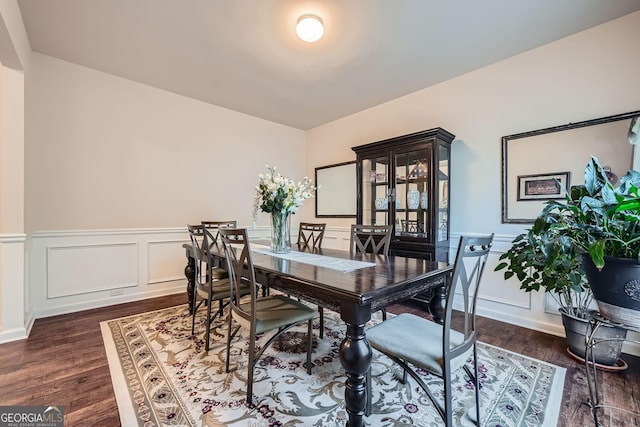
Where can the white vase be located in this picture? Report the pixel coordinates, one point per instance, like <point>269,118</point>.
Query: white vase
<point>382,203</point>
<point>424,200</point>
<point>413,199</point>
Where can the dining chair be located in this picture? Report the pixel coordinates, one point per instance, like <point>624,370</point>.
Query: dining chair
<point>260,314</point>
<point>218,286</point>
<point>211,283</point>
<point>212,227</point>
<point>310,235</point>
<point>408,339</point>
<point>370,239</point>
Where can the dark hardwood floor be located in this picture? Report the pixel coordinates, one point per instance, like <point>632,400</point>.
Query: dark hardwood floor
<point>63,362</point>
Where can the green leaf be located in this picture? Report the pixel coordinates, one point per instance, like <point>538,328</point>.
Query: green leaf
<point>596,250</point>
<point>591,173</point>
<point>501,265</point>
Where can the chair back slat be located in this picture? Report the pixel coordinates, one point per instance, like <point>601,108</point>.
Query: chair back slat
<point>310,235</point>
<point>196,234</point>
<point>471,259</point>
<point>210,231</point>
<point>370,239</point>
<point>211,228</point>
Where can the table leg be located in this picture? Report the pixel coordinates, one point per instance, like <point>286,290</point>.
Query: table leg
<point>190,273</point>
<point>355,357</point>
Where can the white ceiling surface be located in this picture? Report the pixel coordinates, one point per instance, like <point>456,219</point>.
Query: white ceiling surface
<point>244,55</point>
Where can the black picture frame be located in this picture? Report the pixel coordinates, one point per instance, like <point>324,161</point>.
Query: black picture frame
<point>547,186</point>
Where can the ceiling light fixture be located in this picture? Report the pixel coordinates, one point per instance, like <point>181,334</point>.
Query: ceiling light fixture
<point>310,28</point>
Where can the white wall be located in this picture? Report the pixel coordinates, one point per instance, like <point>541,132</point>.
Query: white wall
<point>15,307</point>
<point>104,152</point>
<point>591,74</point>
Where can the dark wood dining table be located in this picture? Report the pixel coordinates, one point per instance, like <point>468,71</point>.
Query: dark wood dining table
<point>354,294</point>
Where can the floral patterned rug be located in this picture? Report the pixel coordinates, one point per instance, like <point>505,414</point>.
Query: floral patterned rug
<point>162,376</point>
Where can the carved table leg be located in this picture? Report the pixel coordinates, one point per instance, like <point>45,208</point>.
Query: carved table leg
<point>438,303</point>
<point>355,357</point>
<point>190,273</point>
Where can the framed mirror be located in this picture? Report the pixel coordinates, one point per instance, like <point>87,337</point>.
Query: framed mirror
<point>535,162</point>
<point>336,193</point>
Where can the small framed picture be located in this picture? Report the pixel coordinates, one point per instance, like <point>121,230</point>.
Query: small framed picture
<point>543,187</point>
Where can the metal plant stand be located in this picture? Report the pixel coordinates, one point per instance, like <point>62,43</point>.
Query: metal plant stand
<point>595,322</point>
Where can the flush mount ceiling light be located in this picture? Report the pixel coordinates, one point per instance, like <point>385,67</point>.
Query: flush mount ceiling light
<point>310,28</point>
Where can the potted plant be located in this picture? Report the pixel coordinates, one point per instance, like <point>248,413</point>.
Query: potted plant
<point>542,258</point>
<point>602,222</point>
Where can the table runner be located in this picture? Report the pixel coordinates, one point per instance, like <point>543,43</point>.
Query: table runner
<point>340,264</point>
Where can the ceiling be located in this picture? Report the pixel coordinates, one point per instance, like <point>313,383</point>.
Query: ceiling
<point>244,55</point>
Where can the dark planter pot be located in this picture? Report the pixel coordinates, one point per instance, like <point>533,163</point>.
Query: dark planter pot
<point>605,353</point>
<point>616,288</point>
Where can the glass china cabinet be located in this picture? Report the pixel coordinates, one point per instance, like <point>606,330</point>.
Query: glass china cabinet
<point>404,181</point>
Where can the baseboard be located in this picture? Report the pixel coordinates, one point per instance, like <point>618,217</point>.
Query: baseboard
<point>631,346</point>
<point>525,322</point>
<point>121,299</point>
<point>14,334</point>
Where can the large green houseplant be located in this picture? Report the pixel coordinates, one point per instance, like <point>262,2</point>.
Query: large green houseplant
<point>602,222</point>
<point>570,240</point>
<point>541,258</point>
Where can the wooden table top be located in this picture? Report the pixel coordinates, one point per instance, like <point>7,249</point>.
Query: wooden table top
<point>393,278</point>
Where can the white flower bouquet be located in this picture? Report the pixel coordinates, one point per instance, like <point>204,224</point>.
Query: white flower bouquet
<point>280,197</point>
<point>277,194</point>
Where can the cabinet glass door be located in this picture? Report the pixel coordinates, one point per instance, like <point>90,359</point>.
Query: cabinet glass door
<point>412,178</point>
<point>443,189</point>
<point>375,191</point>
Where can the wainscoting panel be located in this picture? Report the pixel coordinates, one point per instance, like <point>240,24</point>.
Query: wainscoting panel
<point>166,261</point>
<point>336,238</point>
<point>495,289</point>
<point>73,270</point>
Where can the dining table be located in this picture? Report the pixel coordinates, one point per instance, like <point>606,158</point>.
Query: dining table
<point>353,285</point>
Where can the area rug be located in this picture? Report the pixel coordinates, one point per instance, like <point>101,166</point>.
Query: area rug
<point>162,376</point>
